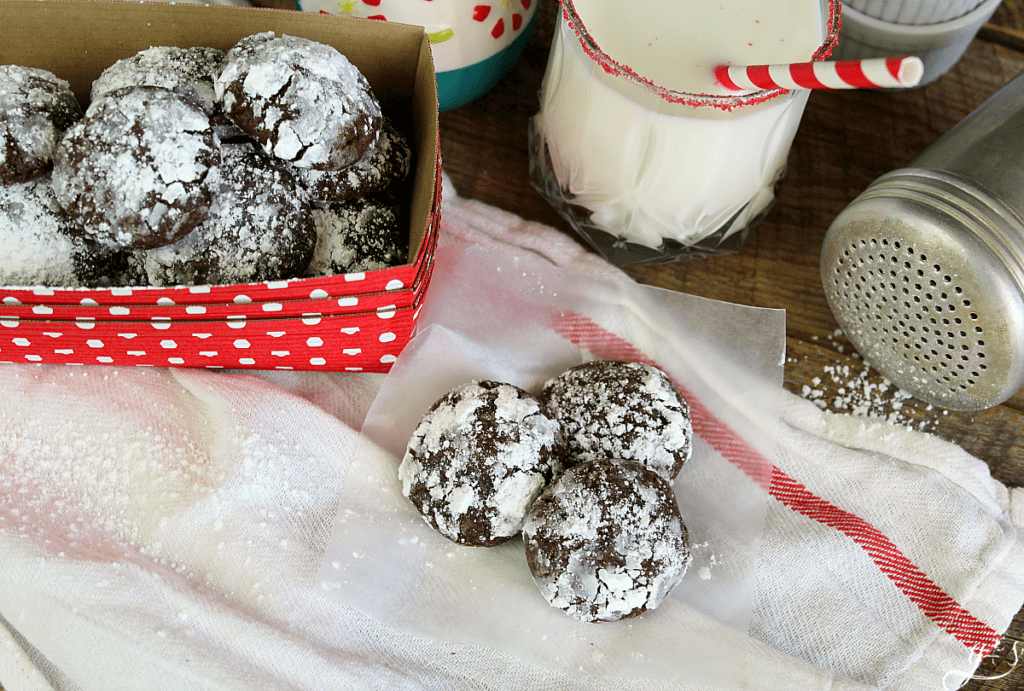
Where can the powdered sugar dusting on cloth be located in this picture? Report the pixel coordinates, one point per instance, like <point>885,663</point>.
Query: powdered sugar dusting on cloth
<point>477,460</point>
<point>134,171</point>
<point>627,410</point>
<point>605,541</point>
<point>123,465</point>
<point>303,101</point>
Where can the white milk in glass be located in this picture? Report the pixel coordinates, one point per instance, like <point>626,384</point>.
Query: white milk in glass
<point>646,161</point>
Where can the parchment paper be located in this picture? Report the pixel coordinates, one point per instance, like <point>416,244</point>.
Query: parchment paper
<point>518,319</point>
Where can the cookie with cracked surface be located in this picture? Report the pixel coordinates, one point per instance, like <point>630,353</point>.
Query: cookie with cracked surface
<point>187,71</point>
<point>258,228</point>
<point>360,234</point>
<point>36,107</point>
<point>386,163</point>
<point>628,410</point>
<point>605,541</point>
<point>477,460</point>
<point>137,171</point>
<point>303,101</point>
<point>42,245</point>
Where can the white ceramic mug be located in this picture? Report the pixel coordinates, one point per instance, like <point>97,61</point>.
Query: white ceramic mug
<point>473,42</point>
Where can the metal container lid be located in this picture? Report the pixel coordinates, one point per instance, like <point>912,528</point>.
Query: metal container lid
<point>924,272</point>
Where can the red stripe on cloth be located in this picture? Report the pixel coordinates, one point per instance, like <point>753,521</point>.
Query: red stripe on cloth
<point>914,583</point>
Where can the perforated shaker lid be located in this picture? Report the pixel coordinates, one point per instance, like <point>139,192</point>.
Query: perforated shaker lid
<point>925,277</point>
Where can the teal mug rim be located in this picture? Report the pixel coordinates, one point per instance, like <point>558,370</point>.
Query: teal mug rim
<point>463,85</point>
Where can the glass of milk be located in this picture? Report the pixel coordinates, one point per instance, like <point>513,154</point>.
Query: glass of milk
<point>638,147</point>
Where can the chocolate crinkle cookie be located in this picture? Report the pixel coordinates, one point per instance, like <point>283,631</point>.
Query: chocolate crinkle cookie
<point>627,410</point>
<point>136,172</point>
<point>605,541</point>
<point>36,107</point>
<point>385,164</point>
<point>186,71</point>
<point>477,460</point>
<point>42,247</point>
<point>303,101</point>
<point>259,228</point>
<point>360,234</point>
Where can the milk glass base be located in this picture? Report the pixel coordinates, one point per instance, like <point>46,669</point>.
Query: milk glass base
<point>616,250</point>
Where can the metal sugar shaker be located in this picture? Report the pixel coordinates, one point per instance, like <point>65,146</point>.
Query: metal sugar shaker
<point>924,271</point>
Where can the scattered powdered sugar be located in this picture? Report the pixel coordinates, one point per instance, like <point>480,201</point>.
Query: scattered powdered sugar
<point>859,390</point>
<point>110,465</point>
<point>605,541</point>
<point>478,459</point>
<point>113,477</point>
<point>704,560</point>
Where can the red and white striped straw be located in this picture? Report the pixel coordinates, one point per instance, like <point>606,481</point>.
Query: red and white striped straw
<point>869,73</point>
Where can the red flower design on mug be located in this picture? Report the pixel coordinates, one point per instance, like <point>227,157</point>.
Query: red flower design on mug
<point>504,13</point>
<point>482,12</point>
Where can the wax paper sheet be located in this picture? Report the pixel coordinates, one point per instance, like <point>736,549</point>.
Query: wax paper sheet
<point>521,320</point>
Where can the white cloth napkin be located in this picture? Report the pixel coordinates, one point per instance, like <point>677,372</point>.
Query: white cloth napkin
<point>162,529</point>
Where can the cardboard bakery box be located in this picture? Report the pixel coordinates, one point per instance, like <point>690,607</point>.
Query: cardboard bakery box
<point>349,322</point>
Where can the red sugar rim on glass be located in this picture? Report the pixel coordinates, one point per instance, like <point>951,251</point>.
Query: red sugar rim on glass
<point>726,102</point>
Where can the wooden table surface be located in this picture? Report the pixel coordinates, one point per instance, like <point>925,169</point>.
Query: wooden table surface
<point>845,141</point>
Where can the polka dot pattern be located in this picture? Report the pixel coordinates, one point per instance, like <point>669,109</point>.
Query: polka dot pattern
<point>336,342</point>
<point>350,323</point>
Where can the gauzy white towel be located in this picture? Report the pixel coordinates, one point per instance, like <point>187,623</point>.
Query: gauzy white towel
<point>162,529</point>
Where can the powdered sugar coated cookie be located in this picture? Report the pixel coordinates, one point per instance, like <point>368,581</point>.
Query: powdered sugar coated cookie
<point>187,71</point>
<point>258,228</point>
<point>628,410</point>
<point>477,460</point>
<point>303,101</point>
<point>360,234</point>
<point>36,107</point>
<point>605,541</point>
<point>136,171</point>
<point>386,163</point>
<point>42,246</point>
